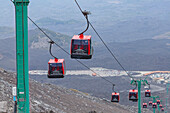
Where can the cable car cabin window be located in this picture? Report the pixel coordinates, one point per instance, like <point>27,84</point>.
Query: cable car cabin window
<point>56,70</point>
<point>80,46</point>
<point>133,96</point>
<point>81,49</point>
<point>115,98</point>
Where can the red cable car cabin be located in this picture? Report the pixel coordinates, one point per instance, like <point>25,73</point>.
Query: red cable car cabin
<point>162,109</point>
<point>145,105</point>
<point>81,47</point>
<point>147,93</point>
<point>56,68</point>
<point>154,105</point>
<point>158,102</point>
<point>160,106</point>
<point>115,97</point>
<point>133,95</point>
<point>150,103</point>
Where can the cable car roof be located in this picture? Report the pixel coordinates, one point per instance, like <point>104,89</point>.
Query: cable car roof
<point>147,91</point>
<point>80,37</point>
<point>56,61</point>
<point>133,90</point>
<point>115,93</point>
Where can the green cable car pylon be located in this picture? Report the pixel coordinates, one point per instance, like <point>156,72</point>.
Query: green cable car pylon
<point>154,101</point>
<point>167,87</point>
<point>22,55</point>
<point>139,83</point>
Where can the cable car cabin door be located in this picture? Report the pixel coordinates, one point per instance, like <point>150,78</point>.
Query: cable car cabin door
<point>81,48</point>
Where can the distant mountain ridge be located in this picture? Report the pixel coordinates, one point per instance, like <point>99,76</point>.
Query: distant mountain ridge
<point>120,20</point>
<point>146,54</point>
<point>163,36</point>
<point>39,40</point>
<point>49,21</point>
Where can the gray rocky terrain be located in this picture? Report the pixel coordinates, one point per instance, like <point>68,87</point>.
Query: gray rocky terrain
<point>48,98</point>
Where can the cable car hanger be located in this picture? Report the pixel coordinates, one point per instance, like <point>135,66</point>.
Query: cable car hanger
<point>146,83</point>
<point>51,43</point>
<point>113,88</point>
<point>86,13</point>
<point>135,86</point>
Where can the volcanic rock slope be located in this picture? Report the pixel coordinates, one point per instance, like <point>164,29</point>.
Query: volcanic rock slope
<point>48,98</point>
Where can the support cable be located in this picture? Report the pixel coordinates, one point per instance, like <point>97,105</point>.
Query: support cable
<point>135,86</point>
<point>86,13</point>
<point>105,43</point>
<point>113,88</point>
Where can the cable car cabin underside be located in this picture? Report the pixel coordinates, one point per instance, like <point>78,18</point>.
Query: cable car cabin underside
<point>133,99</point>
<point>56,68</point>
<point>81,47</point>
<point>80,56</point>
<point>55,74</point>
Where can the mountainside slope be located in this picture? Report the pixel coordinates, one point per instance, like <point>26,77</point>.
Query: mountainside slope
<point>147,54</point>
<point>38,40</point>
<point>51,98</point>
